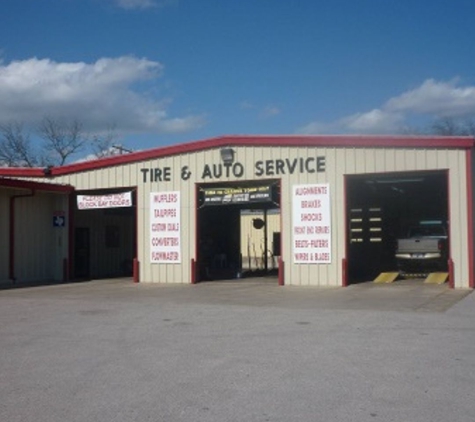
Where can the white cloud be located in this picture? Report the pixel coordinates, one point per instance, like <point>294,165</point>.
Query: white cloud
<point>373,121</point>
<point>316,128</point>
<point>443,99</point>
<point>142,4</point>
<point>135,4</point>
<point>97,94</point>
<point>183,124</point>
<point>432,98</point>
<point>246,105</point>
<point>270,111</point>
<point>262,112</point>
<point>109,152</point>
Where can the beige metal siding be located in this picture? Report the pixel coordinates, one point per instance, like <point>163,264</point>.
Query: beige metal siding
<point>253,241</point>
<point>458,221</point>
<point>339,162</point>
<point>4,235</point>
<point>39,247</point>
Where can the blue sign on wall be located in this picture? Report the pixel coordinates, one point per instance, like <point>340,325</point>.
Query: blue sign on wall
<point>59,221</point>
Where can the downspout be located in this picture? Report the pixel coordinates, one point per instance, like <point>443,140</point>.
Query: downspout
<point>12,233</point>
<point>69,267</point>
<point>266,245</point>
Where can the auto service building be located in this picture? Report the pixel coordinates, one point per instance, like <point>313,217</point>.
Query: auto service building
<point>309,210</point>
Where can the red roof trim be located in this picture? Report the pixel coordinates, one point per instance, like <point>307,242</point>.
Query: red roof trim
<point>21,172</point>
<point>27,184</point>
<point>351,141</point>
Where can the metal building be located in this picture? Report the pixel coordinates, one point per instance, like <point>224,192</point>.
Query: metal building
<point>324,210</point>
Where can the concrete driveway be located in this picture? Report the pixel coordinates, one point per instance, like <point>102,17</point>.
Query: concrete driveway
<point>111,350</point>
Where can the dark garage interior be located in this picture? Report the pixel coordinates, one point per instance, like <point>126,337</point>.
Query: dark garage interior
<point>219,227</point>
<point>381,208</point>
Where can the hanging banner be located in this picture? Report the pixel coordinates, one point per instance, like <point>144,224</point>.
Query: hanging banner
<point>114,200</point>
<point>311,226</point>
<point>165,229</point>
<point>244,195</point>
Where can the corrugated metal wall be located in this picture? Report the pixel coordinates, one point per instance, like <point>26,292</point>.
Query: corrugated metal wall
<point>252,240</point>
<point>4,235</point>
<point>339,162</point>
<point>39,247</point>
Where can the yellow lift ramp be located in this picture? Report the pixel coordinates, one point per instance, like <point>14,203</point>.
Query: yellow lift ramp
<point>386,277</point>
<point>436,278</point>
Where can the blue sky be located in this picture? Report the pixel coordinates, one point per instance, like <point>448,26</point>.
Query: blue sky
<point>169,71</point>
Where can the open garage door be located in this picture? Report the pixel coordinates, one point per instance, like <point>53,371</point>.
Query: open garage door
<point>104,233</point>
<point>238,231</point>
<point>381,208</point>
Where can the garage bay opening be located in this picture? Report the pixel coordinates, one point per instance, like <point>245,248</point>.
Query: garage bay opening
<point>104,233</point>
<point>398,224</point>
<point>238,231</point>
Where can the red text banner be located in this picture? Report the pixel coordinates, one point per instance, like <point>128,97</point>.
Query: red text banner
<point>114,200</point>
<point>311,224</point>
<point>165,228</point>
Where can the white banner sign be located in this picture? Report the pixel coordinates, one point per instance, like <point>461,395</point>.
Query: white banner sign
<point>165,230</point>
<point>114,200</point>
<point>311,229</point>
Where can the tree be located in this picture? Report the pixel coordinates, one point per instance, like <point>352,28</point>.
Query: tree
<point>444,126</point>
<point>102,145</point>
<point>447,126</point>
<point>59,141</point>
<point>15,147</point>
<point>63,139</point>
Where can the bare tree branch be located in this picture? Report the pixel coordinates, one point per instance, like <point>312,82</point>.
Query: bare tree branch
<point>15,147</point>
<point>62,139</point>
<point>57,141</point>
<point>447,126</point>
<point>102,145</point>
<point>470,127</point>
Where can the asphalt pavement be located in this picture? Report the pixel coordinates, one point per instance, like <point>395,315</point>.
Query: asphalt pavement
<point>244,350</point>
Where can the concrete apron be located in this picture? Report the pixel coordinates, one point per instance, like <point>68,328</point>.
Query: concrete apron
<point>403,295</point>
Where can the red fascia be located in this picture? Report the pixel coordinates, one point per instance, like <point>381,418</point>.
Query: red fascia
<point>21,172</point>
<point>39,186</point>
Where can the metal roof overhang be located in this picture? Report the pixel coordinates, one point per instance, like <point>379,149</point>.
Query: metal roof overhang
<point>322,141</point>
<point>37,186</point>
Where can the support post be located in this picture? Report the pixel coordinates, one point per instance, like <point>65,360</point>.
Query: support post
<point>136,270</point>
<point>193,271</point>
<point>65,270</point>
<point>281,271</point>
<point>451,273</point>
<point>266,246</point>
<point>344,272</point>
